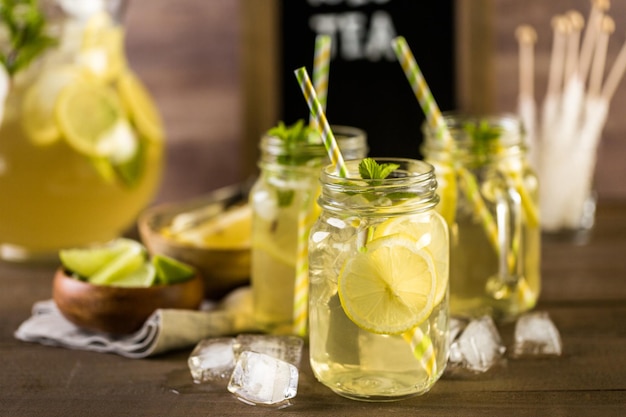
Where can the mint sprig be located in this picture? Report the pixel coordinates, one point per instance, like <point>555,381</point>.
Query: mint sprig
<point>483,136</point>
<point>372,170</point>
<point>25,25</point>
<point>293,137</point>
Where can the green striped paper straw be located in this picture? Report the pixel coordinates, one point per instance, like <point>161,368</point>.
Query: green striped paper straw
<point>422,349</point>
<point>321,68</point>
<point>317,112</point>
<point>435,120</point>
<point>305,220</point>
<point>306,216</point>
<point>421,90</point>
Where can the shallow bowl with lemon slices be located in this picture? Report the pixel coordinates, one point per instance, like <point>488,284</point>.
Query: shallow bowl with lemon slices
<point>114,288</point>
<point>211,233</point>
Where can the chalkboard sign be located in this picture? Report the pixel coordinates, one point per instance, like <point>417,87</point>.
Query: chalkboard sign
<point>367,87</point>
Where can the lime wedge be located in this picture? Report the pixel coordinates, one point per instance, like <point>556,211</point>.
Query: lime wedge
<point>123,264</point>
<point>87,261</point>
<point>144,276</point>
<point>170,270</point>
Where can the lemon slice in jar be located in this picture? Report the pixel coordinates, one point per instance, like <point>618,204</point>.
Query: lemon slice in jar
<point>140,106</point>
<point>390,287</point>
<point>88,115</point>
<point>430,234</point>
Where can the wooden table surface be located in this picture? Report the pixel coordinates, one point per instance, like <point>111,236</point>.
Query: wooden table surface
<point>584,293</point>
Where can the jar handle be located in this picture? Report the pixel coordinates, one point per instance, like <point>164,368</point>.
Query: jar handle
<point>508,207</point>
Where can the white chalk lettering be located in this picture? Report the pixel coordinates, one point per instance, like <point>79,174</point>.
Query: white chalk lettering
<point>352,39</point>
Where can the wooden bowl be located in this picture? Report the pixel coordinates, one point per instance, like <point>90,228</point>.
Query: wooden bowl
<point>119,310</point>
<point>222,269</point>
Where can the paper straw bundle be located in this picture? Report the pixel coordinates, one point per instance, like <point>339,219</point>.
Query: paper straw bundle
<point>563,142</point>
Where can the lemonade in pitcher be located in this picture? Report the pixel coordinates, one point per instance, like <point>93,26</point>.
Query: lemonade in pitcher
<point>378,262</point>
<point>284,195</point>
<point>81,143</point>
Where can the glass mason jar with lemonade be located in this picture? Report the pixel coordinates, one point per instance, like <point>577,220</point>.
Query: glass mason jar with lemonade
<point>284,195</point>
<point>378,262</point>
<point>489,197</point>
<point>81,142</point>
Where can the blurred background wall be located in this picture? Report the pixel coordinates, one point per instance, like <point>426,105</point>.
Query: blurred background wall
<point>209,63</point>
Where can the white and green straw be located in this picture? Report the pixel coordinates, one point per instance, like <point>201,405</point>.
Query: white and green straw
<point>438,124</point>
<point>306,215</point>
<point>321,69</point>
<point>317,112</point>
<point>307,212</point>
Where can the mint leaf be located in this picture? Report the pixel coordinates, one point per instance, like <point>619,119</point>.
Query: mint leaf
<point>293,137</point>
<point>483,136</point>
<point>370,169</point>
<point>25,25</point>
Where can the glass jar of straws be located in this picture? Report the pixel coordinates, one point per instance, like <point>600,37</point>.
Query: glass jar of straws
<point>378,304</point>
<point>489,198</point>
<point>283,202</point>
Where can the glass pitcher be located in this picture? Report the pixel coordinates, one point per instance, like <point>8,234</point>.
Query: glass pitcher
<point>489,197</point>
<point>81,143</point>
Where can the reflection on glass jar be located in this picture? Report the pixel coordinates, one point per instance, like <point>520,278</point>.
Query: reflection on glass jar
<point>489,197</point>
<point>81,142</point>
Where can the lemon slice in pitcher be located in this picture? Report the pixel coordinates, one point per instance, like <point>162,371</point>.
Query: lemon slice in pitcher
<point>39,104</point>
<point>390,287</point>
<point>139,105</point>
<point>87,113</point>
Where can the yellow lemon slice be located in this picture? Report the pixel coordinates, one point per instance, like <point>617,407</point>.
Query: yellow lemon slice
<point>140,106</point>
<point>390,287</point>
<point>87,113</point>
<point>430,234</point>
<point>39,103</point>
<point>228,230</point>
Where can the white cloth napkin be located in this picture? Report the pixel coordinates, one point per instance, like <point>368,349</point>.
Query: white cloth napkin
<point>165,329</point>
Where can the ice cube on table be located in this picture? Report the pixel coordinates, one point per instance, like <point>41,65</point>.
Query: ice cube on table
<point>260,379</point>
<point>285,348</point>
<point>212,360</point>
<point>478,347</point>
<point>536,335</point>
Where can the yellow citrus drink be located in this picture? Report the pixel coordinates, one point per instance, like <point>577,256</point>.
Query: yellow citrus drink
<point>81,143</point>
<point>378,302</point>
<point>284,200</point>
<point>489,195</point>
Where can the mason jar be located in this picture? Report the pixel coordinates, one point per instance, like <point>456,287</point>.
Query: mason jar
<point>489,197</point>
<point>378,269</point>
<point>283,207</point>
